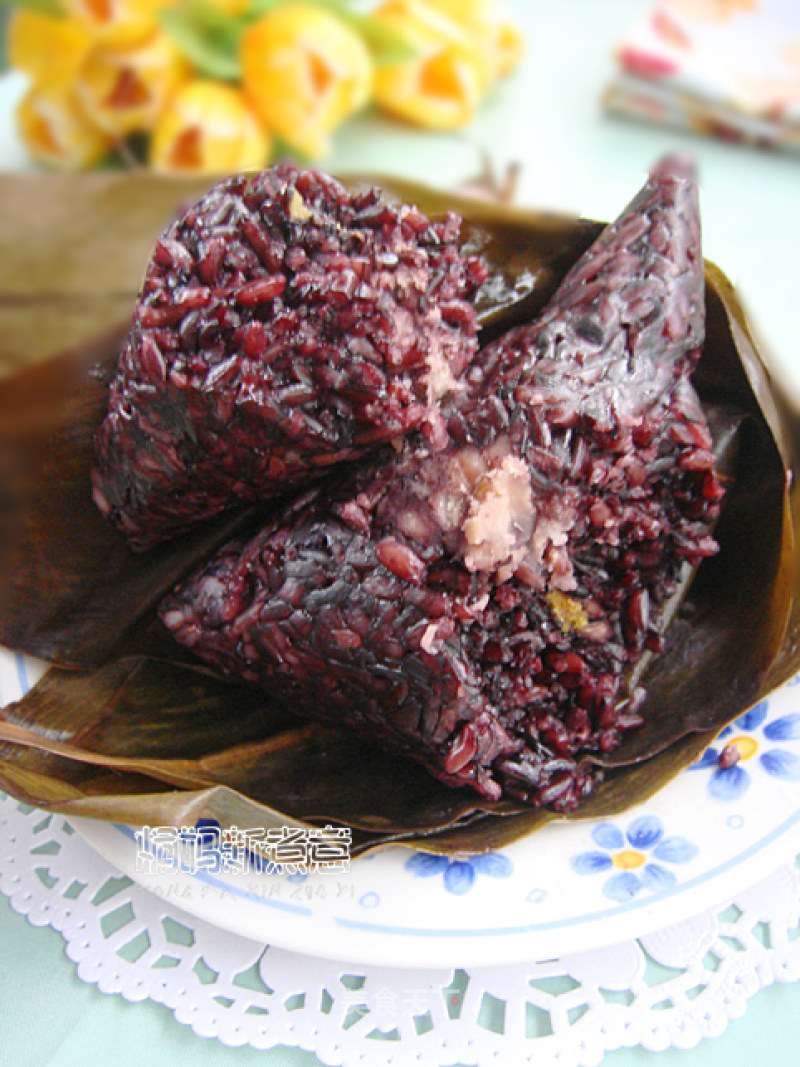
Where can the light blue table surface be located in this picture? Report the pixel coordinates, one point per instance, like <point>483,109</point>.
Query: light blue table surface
<point>547,118</point>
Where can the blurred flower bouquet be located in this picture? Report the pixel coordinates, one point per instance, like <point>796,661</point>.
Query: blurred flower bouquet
<point>205,86</point>
<point>729,68</point>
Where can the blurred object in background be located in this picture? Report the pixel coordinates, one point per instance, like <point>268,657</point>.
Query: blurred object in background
<point>456,50</point>
<point>213,86</point>
<point>729,68</point>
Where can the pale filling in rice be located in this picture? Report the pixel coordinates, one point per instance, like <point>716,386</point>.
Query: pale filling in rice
<point>501,518</point>
<point>487,497</point>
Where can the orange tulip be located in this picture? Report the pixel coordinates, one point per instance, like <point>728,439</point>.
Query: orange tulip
<point>55,133</point>
<point>117,23</point>
<point>208,128</point>
<point>304,72</point>
<point>49,50</point>
<point>441,86</point>
<point>489,25</point>
<point>124,90</point>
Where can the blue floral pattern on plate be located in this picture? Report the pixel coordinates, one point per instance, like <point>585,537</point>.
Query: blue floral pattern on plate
<point>743,742</point>
<point>459,874</point>
<point>631,855</point>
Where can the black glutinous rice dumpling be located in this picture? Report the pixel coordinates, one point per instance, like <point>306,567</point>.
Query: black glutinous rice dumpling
<point>285,325</point>
<point>480,596</point>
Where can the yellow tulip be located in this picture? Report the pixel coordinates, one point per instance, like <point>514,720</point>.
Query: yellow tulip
<point>304,72</point>
<point>124,90</point>
<point>48,49</point>
<point>117,23</point>
<point>208,128</point>
<point>443,84</point>
<point>55,132</point>
<point>489,25</point>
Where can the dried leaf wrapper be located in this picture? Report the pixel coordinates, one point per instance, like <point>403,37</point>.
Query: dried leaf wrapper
<point>145,734</point>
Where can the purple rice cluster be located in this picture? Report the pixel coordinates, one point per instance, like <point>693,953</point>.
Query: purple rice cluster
<point>480,597</point>
<point>284,325</point>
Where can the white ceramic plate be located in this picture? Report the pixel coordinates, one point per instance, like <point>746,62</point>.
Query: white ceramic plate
<point>568,888</point>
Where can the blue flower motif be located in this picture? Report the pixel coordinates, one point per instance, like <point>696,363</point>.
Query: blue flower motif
<point>628,853</point>
<point>459,875</point>
<point>729,778</point>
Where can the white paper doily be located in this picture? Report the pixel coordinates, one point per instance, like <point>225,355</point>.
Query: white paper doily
<point>669,989</point>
